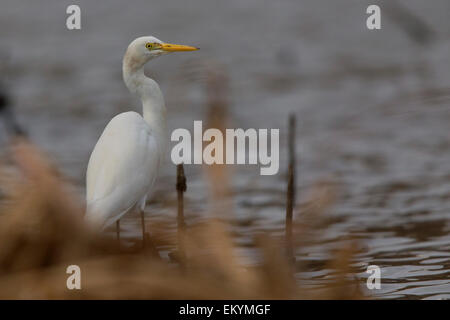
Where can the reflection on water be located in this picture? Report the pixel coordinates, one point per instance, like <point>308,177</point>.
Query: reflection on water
<point>373,110</point>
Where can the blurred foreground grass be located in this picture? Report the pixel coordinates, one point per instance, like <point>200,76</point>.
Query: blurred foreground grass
<point>42,231</point>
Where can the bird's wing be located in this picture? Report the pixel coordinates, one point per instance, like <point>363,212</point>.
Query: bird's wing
<point>121,169</point>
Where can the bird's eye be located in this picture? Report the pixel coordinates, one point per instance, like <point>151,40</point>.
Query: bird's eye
<point>151,45</point>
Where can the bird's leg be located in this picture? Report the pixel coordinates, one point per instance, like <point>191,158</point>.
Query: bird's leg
<point>118,231</point>
<point>143,228</point>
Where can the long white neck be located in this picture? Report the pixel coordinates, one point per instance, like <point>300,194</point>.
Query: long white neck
<point>148,91</point>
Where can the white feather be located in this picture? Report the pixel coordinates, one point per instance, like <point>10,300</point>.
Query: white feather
<point>121,169</point>
<point>126,159</point>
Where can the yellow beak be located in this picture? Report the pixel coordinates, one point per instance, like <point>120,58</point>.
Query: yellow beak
<point>176,47</point>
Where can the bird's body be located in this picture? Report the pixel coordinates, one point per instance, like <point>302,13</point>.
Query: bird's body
<point>122,168</point>
<point>126,159</point>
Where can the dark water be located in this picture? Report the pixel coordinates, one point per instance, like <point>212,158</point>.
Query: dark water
<point>373,110</point>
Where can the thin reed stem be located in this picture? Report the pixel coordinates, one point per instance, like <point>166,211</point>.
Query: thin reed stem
<point>118,231</point>
<point>290,196</point>
<point>181,188</point>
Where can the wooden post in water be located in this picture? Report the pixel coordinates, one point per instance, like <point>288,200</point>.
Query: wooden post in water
<point>181,188</point>
<point>290,195</point>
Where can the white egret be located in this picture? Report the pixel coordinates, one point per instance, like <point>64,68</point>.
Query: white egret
<point>126,159</point>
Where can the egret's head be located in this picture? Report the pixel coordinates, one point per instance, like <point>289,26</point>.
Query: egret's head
<point>143,49</point>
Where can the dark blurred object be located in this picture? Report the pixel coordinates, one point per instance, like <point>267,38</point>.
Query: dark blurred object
<point>414,26</point>
<point>7,114</point>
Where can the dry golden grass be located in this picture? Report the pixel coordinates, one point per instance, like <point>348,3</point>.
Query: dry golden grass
<point>42,232</point>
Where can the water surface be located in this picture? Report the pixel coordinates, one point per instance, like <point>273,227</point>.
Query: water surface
<point>373,110</point>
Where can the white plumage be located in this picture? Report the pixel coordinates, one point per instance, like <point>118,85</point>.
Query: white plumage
<point>122,168</point>
<point>125,161</point>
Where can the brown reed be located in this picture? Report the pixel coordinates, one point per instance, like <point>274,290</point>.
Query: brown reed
<point>42,232</point>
